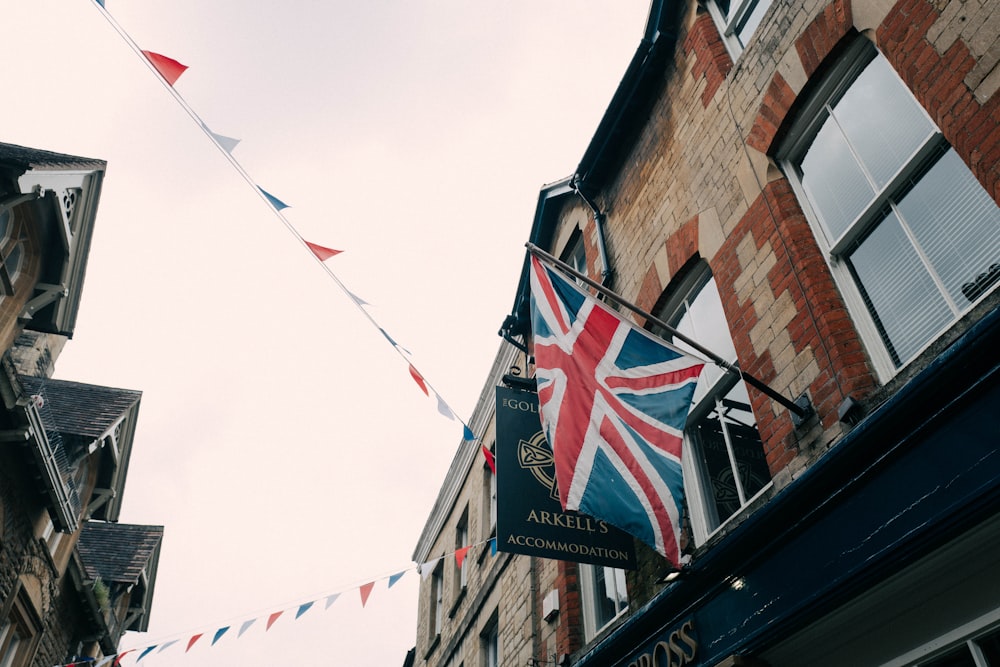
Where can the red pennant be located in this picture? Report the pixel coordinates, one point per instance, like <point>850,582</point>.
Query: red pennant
<point>419,379</point>
<point>366,590</point>
<point>272,618</point>
<point>118,658</point>
<point>322,253</point>
<point>460,555</point>
<point>490,461</point>
<point>168,68</point>
<point>192,641</point>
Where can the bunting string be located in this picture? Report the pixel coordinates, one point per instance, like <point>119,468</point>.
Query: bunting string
<point>194,640</point>
<point>168,71</point>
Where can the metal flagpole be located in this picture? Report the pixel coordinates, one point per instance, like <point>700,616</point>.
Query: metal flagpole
<point>800,411</point>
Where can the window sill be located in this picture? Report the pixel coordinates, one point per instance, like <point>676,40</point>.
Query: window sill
<point>434,645</point>
<point>457,602</point>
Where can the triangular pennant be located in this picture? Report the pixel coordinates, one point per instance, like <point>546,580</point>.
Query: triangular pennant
<point>425,569</point>
<point>227,143</point>
<point>357,299</point>
<point>303,609</point>
<point>419,379</point>
<point>168,68</point>
<point>443,407</point>
<point>366,590</point>
<point>394,343</point>
<point>246,626</point>
<point>274,201</point>
<point>493,546</point>
<point>490,460</point>
<point>101,3</point>
<point>192,641</point>
<point>322,252</point>
<point>272,618</point>
<point>396,577</point>
<point>118,658</point>
<point>164,647</point>
<point>460,556</point>
<point>467,433</point>
<point>330,599</point>
<point>146,652</point>
<point>219,633</point>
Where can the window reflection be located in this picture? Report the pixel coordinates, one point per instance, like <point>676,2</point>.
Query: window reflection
<point>723,459</point>
<point>905,222</point>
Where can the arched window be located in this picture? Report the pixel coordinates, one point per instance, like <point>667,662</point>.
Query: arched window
<point>723,458</point>
<point>11,252</point>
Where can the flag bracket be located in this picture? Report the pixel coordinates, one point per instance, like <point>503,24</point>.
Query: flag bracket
<point>801,408</point>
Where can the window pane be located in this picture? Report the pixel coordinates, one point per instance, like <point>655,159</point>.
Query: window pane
<point>990,646</point>
<point>835,183</point>
<point>957,226</point>
<point>605,596</point>
<point>882,121</point>
<point>901,295</point>
<point>732,417</point>
<point>702,319</point>
<point>960,657</point>
<point>752,21</point>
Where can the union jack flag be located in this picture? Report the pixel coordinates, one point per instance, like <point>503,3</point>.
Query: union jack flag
<point>613,401</point>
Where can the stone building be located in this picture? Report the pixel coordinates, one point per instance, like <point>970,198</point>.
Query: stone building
<point>809,188</point>
<point>72,579</point>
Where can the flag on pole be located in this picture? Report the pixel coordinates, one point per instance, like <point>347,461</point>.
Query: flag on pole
<point>613,400</point>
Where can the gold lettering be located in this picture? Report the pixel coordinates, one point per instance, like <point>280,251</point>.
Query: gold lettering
<point>685,637</point>
<point>662,656</point>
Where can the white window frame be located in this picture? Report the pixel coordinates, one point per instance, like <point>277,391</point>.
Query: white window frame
<point>713,388</point>
<point>967,634</point>
<point>813,115</point>
<point>462,541</point>
<point>489,501</point>
<point>437,601</point>
<point>490,639</point>
<point>729,26</point>
<point>614,578</point>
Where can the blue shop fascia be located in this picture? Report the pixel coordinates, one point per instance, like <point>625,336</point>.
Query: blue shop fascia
<point>884,552</point>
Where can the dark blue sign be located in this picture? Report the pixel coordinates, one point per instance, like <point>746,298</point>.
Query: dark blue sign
<point>530,519</point>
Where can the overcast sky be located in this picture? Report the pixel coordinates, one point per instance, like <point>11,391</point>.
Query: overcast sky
<point>281,441</point>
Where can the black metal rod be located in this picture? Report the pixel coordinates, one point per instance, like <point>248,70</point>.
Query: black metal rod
<point>760,385</point>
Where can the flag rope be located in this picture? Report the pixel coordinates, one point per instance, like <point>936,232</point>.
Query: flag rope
<point>467,433</point>
<point>270,615</point>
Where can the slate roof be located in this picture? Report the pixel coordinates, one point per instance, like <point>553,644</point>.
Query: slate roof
<point>75,408</point>
<point>117,552</point>
<point>34,158</point>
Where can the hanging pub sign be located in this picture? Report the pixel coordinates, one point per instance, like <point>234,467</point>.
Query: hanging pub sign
<point>530,519</point>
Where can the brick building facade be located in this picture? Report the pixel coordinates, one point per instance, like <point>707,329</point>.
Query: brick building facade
<point>810,189</point>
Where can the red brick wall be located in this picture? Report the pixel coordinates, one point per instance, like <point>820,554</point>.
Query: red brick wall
<point>938,82</point>
<point>704,47</point>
